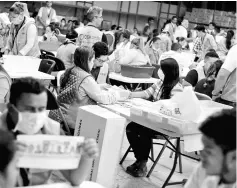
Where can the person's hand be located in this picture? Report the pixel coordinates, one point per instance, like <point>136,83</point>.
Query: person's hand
<point>193,66</point>
<point>105,86</point>
<point>90,149</point>
<point>20,147</point>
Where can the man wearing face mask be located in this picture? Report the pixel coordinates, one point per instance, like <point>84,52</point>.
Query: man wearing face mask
<point>26,114</point>
<point>23,37</point>
<point>90,34</point>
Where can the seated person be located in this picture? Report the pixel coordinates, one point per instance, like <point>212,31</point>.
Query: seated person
<point>182,42</point>
<point>8,168</point>
<point>218,158</point>
<point>175,53</point>
<point>5,84</point>
<point>154,50</point>
<point>100,70</point>
<point>195,75</point>
<point>26,114</point>
<point>136,55</point>
<point>66,51</point>
<point>206,85</point>
<point>50,34</point>
<point>79,87</point>
<point>140,137</point>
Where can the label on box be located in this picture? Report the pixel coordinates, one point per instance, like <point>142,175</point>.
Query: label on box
<point>136,111</point>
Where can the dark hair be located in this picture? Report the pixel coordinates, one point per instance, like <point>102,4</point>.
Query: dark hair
<point>180,39</point>
<point>117,36</point>
<point>229,36</point>
<point>212,23</point>
<point>7,149</point>
<point>113,27</point>
<point>126,34</point>
<point>214,68</point>
<point>150,19</point>
<point>174,17</point>
<point>176,47</point>
<point>81,57</point>
<point>63,19</point>
<point>214,127</point>
<point>200,28</point>
<point>153,40</point>
<point>69,21</point>
<point>167,22</point>
<point>52,27</point>
<point>118,27</point>
<point>211,54</point>
<point>25,85</point>
<point>76,22</point>
<point>217,29</point>
<point>72,35</point>
<point>170,68</point>
<point>100,48</point>
<point>212,50</point>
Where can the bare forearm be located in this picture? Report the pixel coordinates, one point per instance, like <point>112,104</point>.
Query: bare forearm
<point>139,94</point>
<point>220,81</point>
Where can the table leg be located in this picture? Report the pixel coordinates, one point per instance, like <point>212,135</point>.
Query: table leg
<point>174,166</point>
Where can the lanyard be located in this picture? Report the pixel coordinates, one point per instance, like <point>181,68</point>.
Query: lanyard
<point>14,38</point>
<point>203,38</point>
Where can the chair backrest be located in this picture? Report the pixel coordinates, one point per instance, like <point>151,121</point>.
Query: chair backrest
<point>155,72</point>
<point>202,96</point>
<point>44,52</point>
<point>59,66</point>
<point>46,66</point>
<point>52,101</point>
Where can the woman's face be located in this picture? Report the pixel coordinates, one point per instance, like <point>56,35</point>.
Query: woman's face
<point>182,43</point>
<point>9,179</point>
<point>157,45</point>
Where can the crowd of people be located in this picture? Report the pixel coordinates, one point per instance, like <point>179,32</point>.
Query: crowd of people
<point>89,57</point>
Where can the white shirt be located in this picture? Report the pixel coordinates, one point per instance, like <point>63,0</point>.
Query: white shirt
<point>180,32</point>
<point>48,11</point>
<point>199,179</point>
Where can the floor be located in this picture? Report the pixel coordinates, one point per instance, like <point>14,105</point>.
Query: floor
<point>158,176</point>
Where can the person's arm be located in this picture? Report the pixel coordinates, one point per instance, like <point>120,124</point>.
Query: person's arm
<point>31,34</point>
<point>90,152</point>
<point>128,57</point>
<point>228,66</point>
<point>94,91</point>
<point>54,18</point>
<point>191,78</point>
<point>213,42</point>
<point>4,88</point>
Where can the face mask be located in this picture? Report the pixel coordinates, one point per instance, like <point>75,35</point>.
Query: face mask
<point>161,74</point>
<point>30,123</point>
<point>17,20</point>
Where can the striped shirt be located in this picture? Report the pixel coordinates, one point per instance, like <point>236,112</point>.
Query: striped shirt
<point>155,90</point>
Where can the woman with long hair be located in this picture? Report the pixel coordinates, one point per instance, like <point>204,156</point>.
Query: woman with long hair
<point>79,88</point>
<point>225,44</point>
<point>5,84</point>
<point>50,34</point>
<point>206,85</point>
<point>140,137</point>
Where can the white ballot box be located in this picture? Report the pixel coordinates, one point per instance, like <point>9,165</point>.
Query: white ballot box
<point>108,130</point>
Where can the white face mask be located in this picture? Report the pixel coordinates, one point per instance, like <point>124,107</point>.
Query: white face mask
<point>161,74</point>
<point>30,123</point>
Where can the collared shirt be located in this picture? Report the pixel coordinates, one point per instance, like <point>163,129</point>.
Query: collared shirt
<point>197,45</point>
<point>155,90</point>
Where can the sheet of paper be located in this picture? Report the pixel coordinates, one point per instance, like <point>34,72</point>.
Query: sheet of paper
<point>55,185</point>
<point>193,143</point>
<point>20,63</point>
<point>50,152</point>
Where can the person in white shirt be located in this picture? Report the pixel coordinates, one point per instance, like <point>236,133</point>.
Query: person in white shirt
<point>46,15</point>
<point>174,53</point>
<point>225,85</point>
<point>218,157</point>
<point>90,34</point>
<point>181,30</point>
<point>165,38</point>
<point>171,27</point>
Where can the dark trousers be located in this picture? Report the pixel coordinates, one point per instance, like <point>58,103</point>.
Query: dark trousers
<point>140,139</point>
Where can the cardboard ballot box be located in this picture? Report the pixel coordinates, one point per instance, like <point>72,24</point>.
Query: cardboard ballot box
<point>108,130</point>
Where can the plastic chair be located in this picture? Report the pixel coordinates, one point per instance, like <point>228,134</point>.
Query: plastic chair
<point>53,105</point>
<point>202,96</point>
<point>44,53</point>
<point>46,66</point>
<point>110,40</point>
<point>155,72</point>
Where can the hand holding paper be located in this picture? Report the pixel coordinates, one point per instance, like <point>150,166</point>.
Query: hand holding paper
<point>90,148</point>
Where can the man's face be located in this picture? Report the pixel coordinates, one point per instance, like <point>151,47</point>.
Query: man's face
<point>151,22</point>
<point>208,62</point>
<point>98,19</point>
<point>30,102</point>
<point>49,4</point>
<point>211,27</point>
<point>100,60</point>
<point>174,21</point>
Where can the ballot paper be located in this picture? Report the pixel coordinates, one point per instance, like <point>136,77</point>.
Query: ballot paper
<point>50,152</point>
<point>55,185</point>
<point>14,63</point>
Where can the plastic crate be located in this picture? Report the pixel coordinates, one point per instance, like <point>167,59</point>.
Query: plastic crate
<point>144,71</point>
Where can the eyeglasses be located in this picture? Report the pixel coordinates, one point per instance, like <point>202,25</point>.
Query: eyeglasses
<point>99,17</point>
